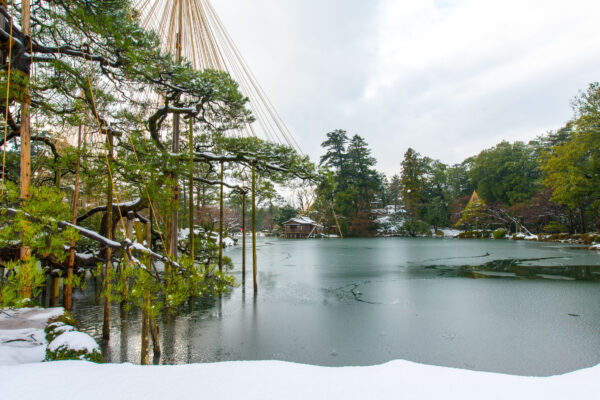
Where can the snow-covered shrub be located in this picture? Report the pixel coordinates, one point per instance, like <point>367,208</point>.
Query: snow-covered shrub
<point>74,345</point>
<point>66,343</point>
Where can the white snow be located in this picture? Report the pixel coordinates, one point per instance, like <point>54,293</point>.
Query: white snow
<point>22,337</point>
<point>280,380</point>
<point>228,242</point>
<point>301,220</point>
<point>74,340</point>
<point>22,346</point>
<point>450,232</point>
<point>521,235</point>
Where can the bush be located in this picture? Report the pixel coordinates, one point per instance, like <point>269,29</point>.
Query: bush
<point>499,233</point>
<point>555,227</point>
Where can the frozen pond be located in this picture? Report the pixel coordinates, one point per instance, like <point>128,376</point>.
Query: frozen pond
<point>503,306</point>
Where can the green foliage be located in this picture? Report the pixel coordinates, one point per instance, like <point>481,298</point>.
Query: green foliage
<point>507,173</point>
<point>23,277</point>
<point>413,183</point>
<point>35,225</point>
<point>350,185</point>
<point>63,353</point>
<point>413,227</point>
<point>555,227</point>
<point>474,215</point>
<point>499,233</point>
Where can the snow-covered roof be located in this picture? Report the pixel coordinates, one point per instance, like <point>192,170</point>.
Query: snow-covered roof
<point>300,220</point>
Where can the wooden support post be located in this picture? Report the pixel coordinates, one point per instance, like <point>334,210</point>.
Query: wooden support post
<point>54,290</point>
<point>313,229</point>
<point>254,264</point>
<point>221,205</point>
<point>25,133</point>
<point>244,237</point>
<point>68,289</point>
<point>109,235</point>
<point>191,186</point>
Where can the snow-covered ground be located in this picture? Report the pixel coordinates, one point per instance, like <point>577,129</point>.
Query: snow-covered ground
<point>22,337</point>
<point>279,380</point>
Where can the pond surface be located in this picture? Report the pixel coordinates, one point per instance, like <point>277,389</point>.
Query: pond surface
<point>522,308</point>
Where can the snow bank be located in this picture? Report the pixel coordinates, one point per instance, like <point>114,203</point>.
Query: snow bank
<point>35,317</point>
<point>22,346</point>
<point>280,380</point>
<point>523,236</point>
<point>450,232</point>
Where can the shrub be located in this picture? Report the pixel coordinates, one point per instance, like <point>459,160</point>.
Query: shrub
<point>499,233</point>
<point>555,227</point>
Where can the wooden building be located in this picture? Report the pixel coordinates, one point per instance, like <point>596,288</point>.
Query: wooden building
<point>300,228</point>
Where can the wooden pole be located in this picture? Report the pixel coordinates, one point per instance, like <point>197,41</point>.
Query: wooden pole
<point>54,290</point>
<point>191,187</point>
<point>68,289</point>
<point>254,264</point>
<point>221,205</point>
<point>313,229</point>
<point>244,237</point>
<point>109,235</point>
<point>174,226</point>
<point>337,223</point>
<point>25,133</point>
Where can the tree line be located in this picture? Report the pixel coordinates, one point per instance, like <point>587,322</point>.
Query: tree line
<point>547,185</point>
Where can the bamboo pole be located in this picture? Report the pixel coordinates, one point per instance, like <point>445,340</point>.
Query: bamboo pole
<point>254,264</point>
<point>337,223</point>
<point>109,235</point>
<point>313,229</point>
<point>191,187</point>
<point>68,289</point>
<point>221,206</point>
<point>244,237</point>
<point>173,232</point>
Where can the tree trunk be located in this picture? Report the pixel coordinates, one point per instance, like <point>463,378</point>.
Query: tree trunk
<point>582,219</point>
<point>109,235</point>
<point>571,222</point>
<point>155,339</point>
<point>244,237</point>
<point>221,205</point>
<point>254,264</point>
<point>146,318</point>
<point>68,289</point>
<point>145,329</point>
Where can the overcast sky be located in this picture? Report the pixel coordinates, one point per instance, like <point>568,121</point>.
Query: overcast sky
<point>446,77</point>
